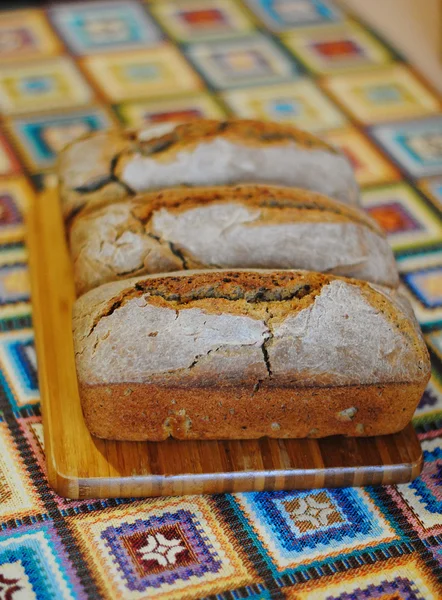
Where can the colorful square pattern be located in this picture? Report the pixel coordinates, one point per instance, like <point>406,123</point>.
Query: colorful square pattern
<point>369,165</point>
<point>426,285</point>
<point>295,528</point>
<point>301,103</point>
<point>154,72</point>
<point>167,548</point>
<point>13,254</point>
<point>33,564</point>
<point>250,60</point>
<point>75,67</point>
<point>14,283</point>
<point>404,215</point>
<point>182,108</point>
<point>15,196</point>
<point>434,340</point>
<point>422,276</point>
<point>415,145</point>
<point>17,496</point>
<point>403,578</point>
<point>41,137</point>
<point>9,164</point>
<point>26,34</point>
<point>18,360</point>
<point>390,93</point>
<point>15,306</point>
<point>42,85</point>
<point>280,15</point>
<point>341,47</point>
<point>11,220</point>
<point>430,405</point>
<point>421,500</point>
<point>32,429</point>
<point>191,20</point>
<point>90,27</point>
<point>433,190</point>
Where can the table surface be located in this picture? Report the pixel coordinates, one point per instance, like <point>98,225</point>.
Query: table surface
<point>82,66</point>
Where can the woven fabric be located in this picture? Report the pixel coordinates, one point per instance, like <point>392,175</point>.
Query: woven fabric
<point>80,67</point>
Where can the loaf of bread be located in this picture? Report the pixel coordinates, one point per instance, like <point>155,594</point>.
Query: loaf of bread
<point>106,167</point>
<point>242,354</point>
<point>249,226</point>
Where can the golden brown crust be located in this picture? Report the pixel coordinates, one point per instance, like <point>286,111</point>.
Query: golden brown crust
<point>86,170</point>
<point>256,293</point>
<point>269,385</point>
<point>246,131</point>
<point>102,177</point>
<point>185,228</point>
<point>140,412</point>
<point>116,139</point>
<point>296,200</point>
<point>389,309</point>
<point>235,292</point>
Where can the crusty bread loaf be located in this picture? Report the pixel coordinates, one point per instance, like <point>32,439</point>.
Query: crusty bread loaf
<point>106,167</point>
<point>249,226</point>
<point>245,354</point>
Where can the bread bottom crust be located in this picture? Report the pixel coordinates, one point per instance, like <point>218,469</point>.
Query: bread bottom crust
<point>146,412</point>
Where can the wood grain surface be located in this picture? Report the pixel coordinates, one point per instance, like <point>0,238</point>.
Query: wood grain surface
<point>81,466</point>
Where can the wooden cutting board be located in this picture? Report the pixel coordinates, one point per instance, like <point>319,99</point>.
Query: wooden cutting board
<point>81,466</point>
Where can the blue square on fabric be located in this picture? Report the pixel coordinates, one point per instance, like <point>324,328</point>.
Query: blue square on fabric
<point>90,27</point>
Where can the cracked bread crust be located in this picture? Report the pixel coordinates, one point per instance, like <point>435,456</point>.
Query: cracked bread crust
<point>86,171</point>
<point>174,355</point>
<point>249,226</point>
<point>105,167</point>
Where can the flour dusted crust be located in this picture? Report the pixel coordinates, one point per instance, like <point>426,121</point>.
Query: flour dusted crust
<point>248,226</point>
<point>85,171</point>
<point>106,167</point>
<point>277,353</point>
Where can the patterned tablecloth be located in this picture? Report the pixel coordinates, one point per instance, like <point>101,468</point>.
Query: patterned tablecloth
<point>86,66</point>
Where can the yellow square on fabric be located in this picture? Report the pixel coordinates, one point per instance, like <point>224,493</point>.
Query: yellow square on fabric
<point>386,93</point>
<point>368,163</point>
<point>26,34</point>
<point>189,20</point>
<point>181,108</point>
<point>42,86</point>
<point>338,47</point>
<point>166,548</point>
<point>152,73</point>
<point>300,103</point>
